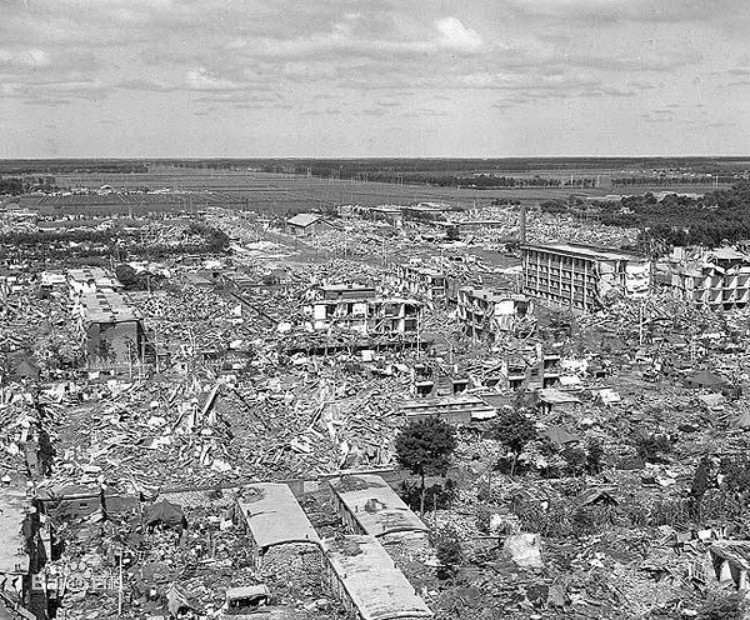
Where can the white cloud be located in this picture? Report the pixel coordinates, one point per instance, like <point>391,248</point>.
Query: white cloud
<point>454,35</point>
<point>203,79</point>
<point>27,58</point>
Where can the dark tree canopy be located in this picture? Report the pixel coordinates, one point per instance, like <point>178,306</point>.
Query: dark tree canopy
<point>513,430</point>
<point>425,447</point>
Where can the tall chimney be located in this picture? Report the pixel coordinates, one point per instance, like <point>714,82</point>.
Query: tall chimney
<point>523,224</point>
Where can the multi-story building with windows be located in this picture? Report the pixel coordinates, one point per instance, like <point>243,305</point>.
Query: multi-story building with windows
<point>582,276</point>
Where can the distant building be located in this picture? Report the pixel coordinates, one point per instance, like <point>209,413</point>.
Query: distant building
<point>422,282</point>
<point>582,276</point>
<point>484,313</point>
<point>425,212</point>
<point>304,224</point>
<point>385,213</point>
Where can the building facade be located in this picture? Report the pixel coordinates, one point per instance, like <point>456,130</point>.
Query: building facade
<point>423,282</point>
<point>582,277</point>
<point>719,279</point>
<point>484,313</point>
<point>372,316</point>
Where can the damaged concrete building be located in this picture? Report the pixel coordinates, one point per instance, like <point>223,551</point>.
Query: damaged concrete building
<point>423,282</point>
<point>358,308</point>
<point>282,535</point>
<point>719,278</point>
<point>581,276</point>
<point>112,330</point>
<point>368,505</point>
<point>484,313</point>
<point>364,577</point>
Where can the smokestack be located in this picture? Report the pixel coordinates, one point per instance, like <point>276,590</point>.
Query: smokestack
<point>523,224</point>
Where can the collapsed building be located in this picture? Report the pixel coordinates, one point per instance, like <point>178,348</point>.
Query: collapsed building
<point>283,541</point>
<point>422,282</point>
<point>581,276</point>
<point>361,309</point>
<point>364,577</point>
<point>718,279</point>
<point>112,331</point>
<point>484,313</point>
<point>369,506</point>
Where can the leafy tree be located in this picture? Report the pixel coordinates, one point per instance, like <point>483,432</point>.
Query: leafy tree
<point>575,460</point>
<point>425,448</point>
<point>514,430</point>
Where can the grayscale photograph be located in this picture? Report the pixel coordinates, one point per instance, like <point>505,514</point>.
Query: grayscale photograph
<point>374,310</point>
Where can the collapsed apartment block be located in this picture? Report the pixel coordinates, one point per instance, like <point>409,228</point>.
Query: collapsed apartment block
<point>422,282</point>
<point>582,276</point>
<point>358,308</point>
<point>283,539</point>
<point>484,313</point>
<point>719,278</point>
<point>368,505</point>
<point>364,577</point>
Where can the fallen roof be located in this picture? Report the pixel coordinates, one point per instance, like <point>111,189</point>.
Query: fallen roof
<point>557,397</point>
<point>377,588</point>
<point>375,505</point>
<point>13,556</point>
<point>735,551</point>
<point>274,516</point>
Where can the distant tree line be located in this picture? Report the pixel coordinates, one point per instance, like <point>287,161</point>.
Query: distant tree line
<point>667,181</point>
<point>15,186</point>
<point>71,166</point>
<point>717,217</point>
<point>96,243</point>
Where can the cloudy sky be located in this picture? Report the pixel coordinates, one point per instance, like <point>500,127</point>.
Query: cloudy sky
<point>335,78</point>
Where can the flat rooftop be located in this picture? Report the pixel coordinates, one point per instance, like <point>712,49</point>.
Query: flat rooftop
<point>106,306</point>
<point>375,505</point>
<point>377,588</point>
<point>490,295</point>
<point>13,556</point>
<point>274,516</point>
<point>346,287</point>
<point>586,251</point>
<point>428,271</point>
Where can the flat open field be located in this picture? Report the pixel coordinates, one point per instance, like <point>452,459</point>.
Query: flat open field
<point>194,189</point>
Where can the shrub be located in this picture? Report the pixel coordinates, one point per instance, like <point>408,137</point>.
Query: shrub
<point>448,551</point>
